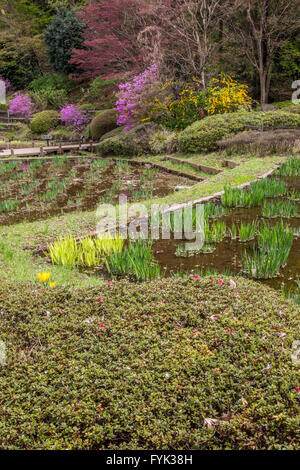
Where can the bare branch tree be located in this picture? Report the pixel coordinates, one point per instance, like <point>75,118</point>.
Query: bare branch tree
<point>260,27</point>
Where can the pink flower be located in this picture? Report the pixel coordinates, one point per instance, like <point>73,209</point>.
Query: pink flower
<point>221,282</point>
<point>297,389</point>
<point>101,326</point>
<point>100,298</point>
<point>197,276</point>
<point>228,330</point>
<point>109,283</point>
<point>100,407</point>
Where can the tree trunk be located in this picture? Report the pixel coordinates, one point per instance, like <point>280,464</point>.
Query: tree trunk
<point>263,87</point>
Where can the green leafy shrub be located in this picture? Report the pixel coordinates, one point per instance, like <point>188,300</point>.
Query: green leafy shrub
<point>54,81</point>
<point>49,97</point>
<point>163,141</point>
<point>102,93</point>
<point>104,122</point>
<point>203,135</point>
<point>43,121</point>
<point>294,109</point>
<point>3,107</point>
<point>173,363</point>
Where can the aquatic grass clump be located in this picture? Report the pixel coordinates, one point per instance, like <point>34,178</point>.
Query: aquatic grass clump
<point>141,194</point>
<point>276,236</point>
<point>272,252</point>
<point>9,205</point>
<point>149,173</point>
<point>136,260</point>
<point>290,168</point>
<point>247,231</point>
<point>271,187</point>
<point>213,210</point>
<point>280,208</point>
<point>235,197</point>
<point>122,168</point>
<point>54,188</point>
<point>89,252</point>
<point>265,265</point>
<point>98,164</point>
<point>294,195</point>
<point>215,232</point>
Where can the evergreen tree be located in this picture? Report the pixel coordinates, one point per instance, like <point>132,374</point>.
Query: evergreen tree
<point>62,35</point>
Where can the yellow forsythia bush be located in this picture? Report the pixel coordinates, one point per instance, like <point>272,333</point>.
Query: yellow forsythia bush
<point>226,95</point>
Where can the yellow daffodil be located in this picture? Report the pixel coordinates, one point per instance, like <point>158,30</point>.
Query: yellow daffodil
<point>43,277</point>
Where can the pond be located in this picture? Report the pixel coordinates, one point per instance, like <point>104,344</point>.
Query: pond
<point>35,190</point>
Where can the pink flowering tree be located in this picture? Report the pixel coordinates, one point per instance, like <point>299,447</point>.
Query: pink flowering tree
<point>74,117</point>
<point>135,96</point>
<point>21,104</point>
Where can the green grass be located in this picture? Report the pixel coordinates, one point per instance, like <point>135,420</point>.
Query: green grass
<point>171,364</point>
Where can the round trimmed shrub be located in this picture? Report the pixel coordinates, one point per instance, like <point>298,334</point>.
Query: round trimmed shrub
<point>43,121</point>
<point>104,122</point>
<point>203,135</point>
<point>167,364</point>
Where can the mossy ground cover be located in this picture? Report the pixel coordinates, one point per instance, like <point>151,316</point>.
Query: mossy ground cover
<point>172,364</point>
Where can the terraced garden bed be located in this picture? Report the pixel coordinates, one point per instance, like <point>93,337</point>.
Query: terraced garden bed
<point>37,189</point>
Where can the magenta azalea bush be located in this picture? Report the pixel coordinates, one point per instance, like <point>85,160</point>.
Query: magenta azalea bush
<point>134,97</point>
<point>73,117</point>
<point>21,104</point>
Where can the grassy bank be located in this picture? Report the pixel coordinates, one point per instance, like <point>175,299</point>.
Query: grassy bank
<point>172,364</point>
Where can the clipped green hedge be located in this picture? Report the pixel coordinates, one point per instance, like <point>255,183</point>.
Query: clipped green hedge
<point>104,122</point>
<point>203,135</point>
<point>115,132</point>
<point>175,363</point>
<point>43,121</point>
<point>133,142</point>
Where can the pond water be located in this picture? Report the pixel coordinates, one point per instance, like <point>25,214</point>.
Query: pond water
<point>228,253</point>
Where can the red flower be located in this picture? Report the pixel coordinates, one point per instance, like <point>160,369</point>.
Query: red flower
<point>100,299</point>
<point>221,282</point>
<point>297,389</point>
